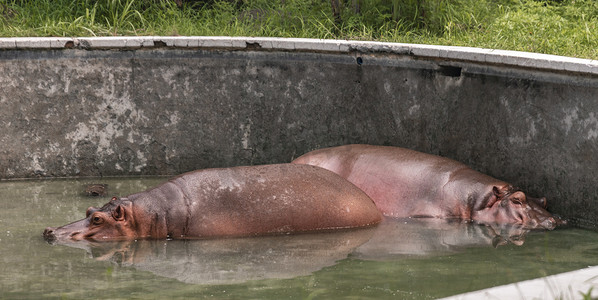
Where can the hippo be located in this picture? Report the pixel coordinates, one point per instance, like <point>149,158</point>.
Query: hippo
<point>96,190</point>
<point>228,202</point>
<point>406,183</point>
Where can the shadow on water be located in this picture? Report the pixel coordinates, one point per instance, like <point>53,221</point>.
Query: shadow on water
<point>407,258</point>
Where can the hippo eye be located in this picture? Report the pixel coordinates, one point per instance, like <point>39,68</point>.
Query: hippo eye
<point>96,220</point>
<point>517,201</point>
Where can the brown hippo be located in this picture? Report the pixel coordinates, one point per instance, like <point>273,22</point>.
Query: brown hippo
<point>96,189</point>
<point>406,183</point>
<point>240,201</point>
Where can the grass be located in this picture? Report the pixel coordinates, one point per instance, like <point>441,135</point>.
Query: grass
<point>562,27</point>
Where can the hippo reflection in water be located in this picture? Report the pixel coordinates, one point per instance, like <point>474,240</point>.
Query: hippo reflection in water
<point>407,183</point>
<point>396,238</point>
<point>231,260</point>
<point>237,260</point>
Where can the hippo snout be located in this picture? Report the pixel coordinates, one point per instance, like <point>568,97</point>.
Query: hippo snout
<point>552,222</point>
<point>49,235</point>
<point>548,223</point>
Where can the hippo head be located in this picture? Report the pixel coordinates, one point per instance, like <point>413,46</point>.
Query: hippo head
<point>509,205</point>
<point>111,222</point>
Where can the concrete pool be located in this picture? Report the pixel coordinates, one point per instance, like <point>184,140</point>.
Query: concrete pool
<point>121,106</point>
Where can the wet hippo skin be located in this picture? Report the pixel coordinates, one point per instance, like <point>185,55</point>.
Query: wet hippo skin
<point>239,201</point>
<point>407,183</point>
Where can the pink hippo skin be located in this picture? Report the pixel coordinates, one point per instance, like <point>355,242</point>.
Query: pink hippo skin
<point>407,183</point>
<point>239,201</point>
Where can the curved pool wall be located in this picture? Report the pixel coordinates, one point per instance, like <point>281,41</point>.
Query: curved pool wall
<point>166,105</point>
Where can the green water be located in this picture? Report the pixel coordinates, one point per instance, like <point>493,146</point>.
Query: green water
<point>402,259</point>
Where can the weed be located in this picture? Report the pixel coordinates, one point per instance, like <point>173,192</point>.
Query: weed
<point>588,295</point>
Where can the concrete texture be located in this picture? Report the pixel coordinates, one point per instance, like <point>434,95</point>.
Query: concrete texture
<point>580,284</point>
<point>166,105</point>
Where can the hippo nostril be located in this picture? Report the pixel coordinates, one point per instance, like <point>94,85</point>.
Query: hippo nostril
<point>48,231</point>
<point>549,223</point>
<point>49,235</point>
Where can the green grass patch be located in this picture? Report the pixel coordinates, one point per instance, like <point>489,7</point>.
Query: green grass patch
<point>565,27</point>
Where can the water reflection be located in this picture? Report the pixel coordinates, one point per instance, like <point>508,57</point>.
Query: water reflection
<point>427,237</point>
<point>228,261</point>
<point>408,259</point>
<point>232,260</point>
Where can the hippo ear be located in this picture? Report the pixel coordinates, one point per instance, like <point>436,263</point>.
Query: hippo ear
<point>498,194</point>
<point>501,192</point>
<point>119,213</point>
<point>491,198</point>
<point>496,191</point>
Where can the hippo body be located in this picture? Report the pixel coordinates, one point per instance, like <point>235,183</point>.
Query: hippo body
<point>407,183</point>
<point>240,201</point>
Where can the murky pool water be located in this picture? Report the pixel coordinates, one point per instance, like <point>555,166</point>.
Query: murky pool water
<point>405,259</point>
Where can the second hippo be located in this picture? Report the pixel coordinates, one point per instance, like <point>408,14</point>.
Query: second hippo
<point>407,183</point>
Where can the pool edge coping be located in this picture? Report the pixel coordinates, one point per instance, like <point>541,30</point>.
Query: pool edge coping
<point>539,61</point>
<point>568,285</point>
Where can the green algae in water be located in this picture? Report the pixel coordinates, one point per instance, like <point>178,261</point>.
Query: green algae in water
<point>406,259</point>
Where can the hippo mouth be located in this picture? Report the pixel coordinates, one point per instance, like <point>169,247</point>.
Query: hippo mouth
<point>552,222</point>
<point>53,236</point>
<point>75,231</point>
<point>540,218</point>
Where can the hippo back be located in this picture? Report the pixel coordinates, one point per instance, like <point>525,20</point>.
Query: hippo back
<point>402,182</point>
<point>270,199</point>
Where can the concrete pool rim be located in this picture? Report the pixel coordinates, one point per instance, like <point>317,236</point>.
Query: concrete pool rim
<point>546,62</point>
